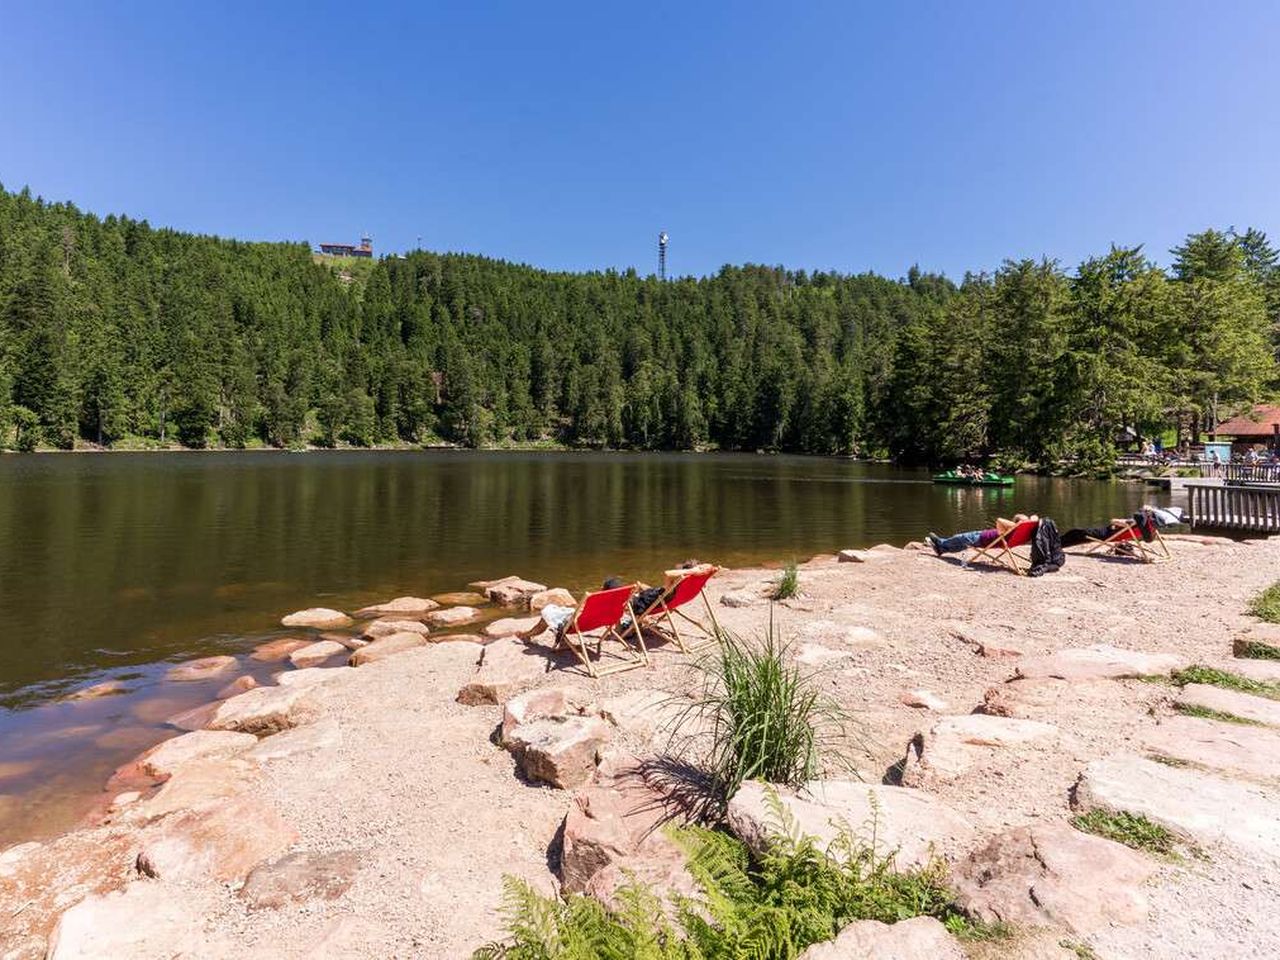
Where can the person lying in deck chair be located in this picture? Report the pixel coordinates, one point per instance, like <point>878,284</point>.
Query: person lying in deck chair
<point>1146,520</point>
<point>555,617</point>
<point>959,542</point>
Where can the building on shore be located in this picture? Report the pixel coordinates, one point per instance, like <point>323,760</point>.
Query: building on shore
<point>1259,427</point>
<point>365,249</point>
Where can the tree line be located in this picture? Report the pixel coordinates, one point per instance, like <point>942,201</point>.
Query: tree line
<point>113,332</point>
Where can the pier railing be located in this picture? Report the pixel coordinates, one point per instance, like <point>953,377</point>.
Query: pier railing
<point>1254,507</point>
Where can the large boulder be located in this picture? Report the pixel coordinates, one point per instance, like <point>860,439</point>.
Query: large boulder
<point>261,711</point>
<point>561,751</point>
<point>387,647</point>
<point>275,650</point>
<point>141,922</point>
<point>404,607</point>
<point>385,627</point>
<point>596,834</point>
<point>317,618</point>
<point>314,654</point>
<point>195,784</point>
<point>507,667</point>
<point>1052,874</point>
<point>919,938</point>
<point>1100,662</point>
<point>557,595</point>
<point>958,744</point>
<point>543,703</point>
<point>165,759</point>
<point>1190,803</point>
<point>222,841</point>
<point>301,876</point>
<point>206,668</point>
<point>325,734</point>
<point>513,591</point>
<point>452,617</point>
<point>916,825</point>
<point>1243,705</point>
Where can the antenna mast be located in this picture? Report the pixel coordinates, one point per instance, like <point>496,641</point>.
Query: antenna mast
<point>662,255</point>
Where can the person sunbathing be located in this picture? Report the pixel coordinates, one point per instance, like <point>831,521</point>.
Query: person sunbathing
<point>1146,520</point>
<point>958,542</point>
<point>555,617</point>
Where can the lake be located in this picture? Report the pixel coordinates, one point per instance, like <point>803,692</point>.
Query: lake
<point>113,566</point>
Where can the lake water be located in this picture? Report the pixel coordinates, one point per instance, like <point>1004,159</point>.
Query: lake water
<point>114,566</point>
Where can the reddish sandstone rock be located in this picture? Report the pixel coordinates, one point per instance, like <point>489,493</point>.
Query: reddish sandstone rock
<point>595,835</point>
<point>462,598</point>
<point>556,595</point>
<point>559,751</point>
<point>507,667</point>
<point>404,607</point>
<point>195,784</point>
<point>542,703</point>
<point>203,669</point>
<point>509,626</point>
<point>922,698</point>
<point>351,641</point>
<point>318,618</point>
<point>513,591</point>
<point>452,617</point>
<point>1099,662</point>
<point>919,938</point>
<point>107,688</point>
<point>314,654</point>
<point>301,876</point>
<point>197,718</point>
<point>165,759</point>
<point>310,676</point>
<point>387,647</point>
<point>261,711</point>
<point>236,686</point>
<point>144,920</point>
<point>954,745</point>
<point>386,626</point>
<point>322,735</point>
<point>274,650</point>
<point>219,841</point>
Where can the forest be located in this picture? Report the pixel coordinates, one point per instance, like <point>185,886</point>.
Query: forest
<point>114,333</point>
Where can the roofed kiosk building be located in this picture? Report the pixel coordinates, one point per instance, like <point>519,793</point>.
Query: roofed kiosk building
<point>1261,426</point>
<point>365,249</point>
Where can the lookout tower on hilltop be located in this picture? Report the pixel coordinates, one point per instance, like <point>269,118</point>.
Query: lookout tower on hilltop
<point>349,249</point>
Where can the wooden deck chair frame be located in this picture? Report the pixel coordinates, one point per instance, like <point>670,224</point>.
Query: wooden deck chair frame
<point>1153,551</point>
<point>659,611</point>
<point>574,635</point>
<point>1000,551</point>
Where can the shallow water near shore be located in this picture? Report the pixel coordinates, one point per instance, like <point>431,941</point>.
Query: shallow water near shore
<point>113,567</point>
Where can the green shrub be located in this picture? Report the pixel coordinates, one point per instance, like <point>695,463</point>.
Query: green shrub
<point>788,583</point>
<point>794,896</point>
<point>1257,650</point>
<point>1131,829</point>
<point>1266,605</point>
<point>766,718</point>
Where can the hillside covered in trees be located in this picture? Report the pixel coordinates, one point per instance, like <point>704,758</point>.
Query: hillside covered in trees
<point>113,332</point>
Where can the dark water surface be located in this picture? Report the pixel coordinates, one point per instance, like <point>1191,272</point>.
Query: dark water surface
<point>113,565</point>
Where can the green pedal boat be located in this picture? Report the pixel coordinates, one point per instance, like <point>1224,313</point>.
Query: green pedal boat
<point>960,480</point>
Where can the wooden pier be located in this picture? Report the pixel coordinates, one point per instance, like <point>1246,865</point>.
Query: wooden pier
<point>1235,506</point>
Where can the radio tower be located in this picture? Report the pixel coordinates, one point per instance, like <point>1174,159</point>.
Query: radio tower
<point>662,255</point>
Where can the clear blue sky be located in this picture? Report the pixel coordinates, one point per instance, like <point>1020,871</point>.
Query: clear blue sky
<point>820,135</point>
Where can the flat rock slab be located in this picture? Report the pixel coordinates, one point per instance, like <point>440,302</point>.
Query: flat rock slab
<point>314,654</point>
<point>107,688</point>
<point>387,647</point>
<point>646,713</point>
<point>276,650</point>
<point>165,759</point>
<point>461,598</point>
<point>206,668</point>
<point>561,751</point>
<point>1195,805</point>
<point>195,784</point>
<point>556,595</point>
<point>1245,705</point>
<point>141,922</point>
<point>385,627</point>
<point>317,618</point>
<point>507,667</point>
<point>310,676</point>
<point>322,735</point>
<point>509,626</point>
<point>261,711</point>
<point>236,686</point>
<point>223,841</point>
<point>407,607</point>
<point>862,556</point>
<point>543,703</point>
<point>1051,874</point>
<point>915,824</point>
<point>1099,662</point>
<point>843,635</point>
<point>301,876</point>
<point>1231,747</point>
<point>453,617</point>
<point>955,745</point>
<point>1266,671</point>
<point>920,938</point>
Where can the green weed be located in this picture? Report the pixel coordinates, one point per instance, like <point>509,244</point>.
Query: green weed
<point>1082,950</point>
<point>1256,650</point>
<point>1223,678</point>
<point>1132,829</point>
<point>1167,760</point>
<point>1266,605</point>
<point>788,583</point>
<point>1207,713</point>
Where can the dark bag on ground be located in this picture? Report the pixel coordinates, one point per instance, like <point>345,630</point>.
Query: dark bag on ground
<point>1046,550</point>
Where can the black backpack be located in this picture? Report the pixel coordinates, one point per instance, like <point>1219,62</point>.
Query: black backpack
<point>1046,550</point>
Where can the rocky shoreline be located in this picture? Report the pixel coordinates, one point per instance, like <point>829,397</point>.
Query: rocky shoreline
<point>410,754</point>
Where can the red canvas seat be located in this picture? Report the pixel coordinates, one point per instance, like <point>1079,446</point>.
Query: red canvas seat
<point>1000,551</point>
<point>1128,541</point>
<point>605,610</point>
<point>689,585</point>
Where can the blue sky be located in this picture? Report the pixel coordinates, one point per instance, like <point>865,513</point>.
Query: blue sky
<point>817,135</point>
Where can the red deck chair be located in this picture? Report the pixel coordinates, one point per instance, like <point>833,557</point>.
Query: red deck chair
<point>604,610</point>
<point>1000,551</point>
<point>1128,542</point>
<point>689,586</point>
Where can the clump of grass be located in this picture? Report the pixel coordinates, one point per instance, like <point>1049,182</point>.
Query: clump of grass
<point>765,717</point>
<point>1082,950</point>
<point>1256,650</point>
<point>1208,713</point>
<point>794,895</point>
<point>1224,678</point>
<point>1167,760</point>
<point>788,584</point>
<point>1132,829</point>
<point>1266,605</point>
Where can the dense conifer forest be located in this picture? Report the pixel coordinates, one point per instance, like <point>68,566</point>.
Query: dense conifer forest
<point>116,333</point>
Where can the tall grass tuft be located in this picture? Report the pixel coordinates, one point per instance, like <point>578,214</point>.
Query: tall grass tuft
<point>1266,605</point>
<point>765,717</point>
<point>788,583</point>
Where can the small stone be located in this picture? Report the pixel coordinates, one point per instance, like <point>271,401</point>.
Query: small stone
<point>509,626</point>
<point>919,938</point>
<point>453,617</point>
<point>318,618</point>
<point>107,688</point>
<point>316,653</point>
<point>815,655</point>
<point>561,751</point>
<point>557,595</point>
<point>275,650</point>
<point>739,598</point>
<point>202,669</point>
<point>386,627</point>
<point>541,704</point>
<point>387,647</point>
<point>350,641</point>
<point>300,876</point>
<point>923,698</point>
<point>462,598</point>
<point>236,686</point>
<point>404,607</point>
